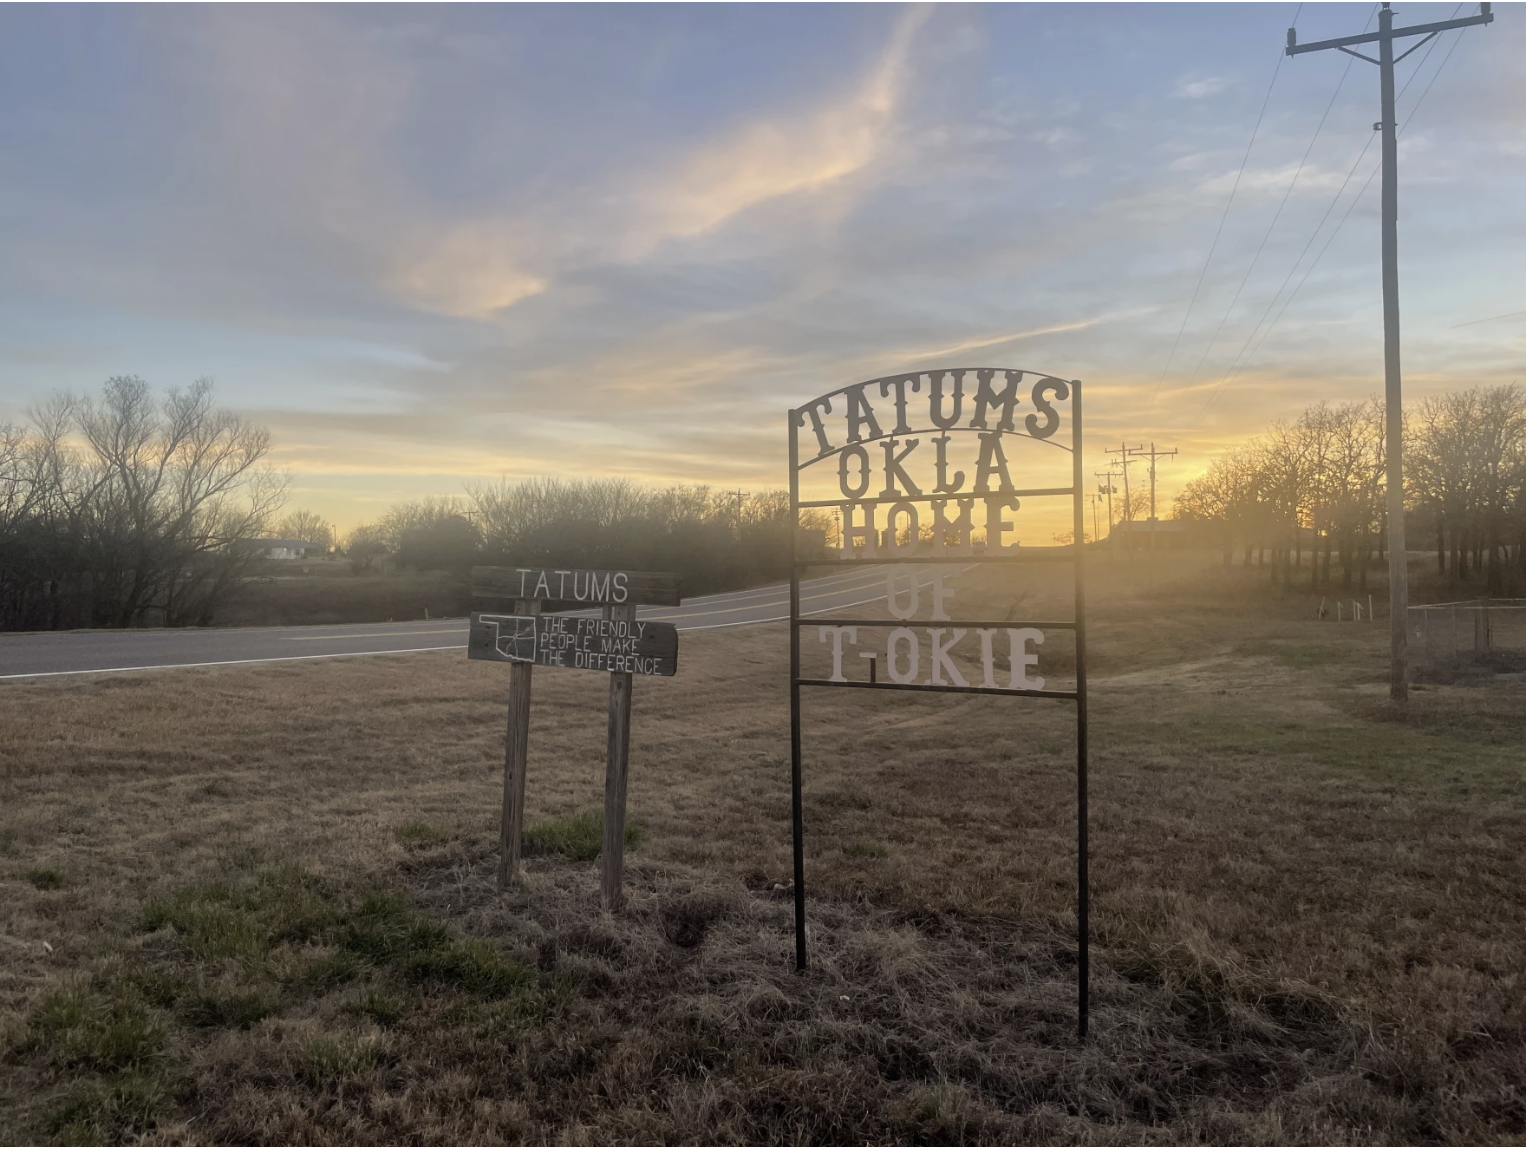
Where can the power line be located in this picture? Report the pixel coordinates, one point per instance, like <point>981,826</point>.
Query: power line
<point>1370,177</point>
<point>1276,215</point>
<point>1212,247</point>
<point>1237,363</point>
<point>1488,319</point>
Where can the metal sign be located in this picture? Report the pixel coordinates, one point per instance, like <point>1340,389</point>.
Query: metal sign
<point>919,468</point>
<point>577,585</point>
<point>586,642</point>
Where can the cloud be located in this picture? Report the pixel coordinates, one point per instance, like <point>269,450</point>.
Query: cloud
<point>1274,181</point>
<point>773,158</point>
<point>1197,89</point>
<point>981,344</point>
<point>470,270</point>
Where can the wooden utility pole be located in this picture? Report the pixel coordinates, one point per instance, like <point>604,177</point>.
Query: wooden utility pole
<point>1122,451</point>
<point>1107,488</point>
<point>1398,571</point>
<point>1152,455</point>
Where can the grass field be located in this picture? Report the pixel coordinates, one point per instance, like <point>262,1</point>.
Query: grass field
<point>257,904</point>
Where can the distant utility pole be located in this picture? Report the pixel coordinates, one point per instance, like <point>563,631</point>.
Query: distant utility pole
<point>1398,572</point>
<point>1106,488</point>
<point>1152,455</point>
<point>1122,451</point>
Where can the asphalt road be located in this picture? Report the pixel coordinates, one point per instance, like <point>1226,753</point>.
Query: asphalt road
<point>45,653</point>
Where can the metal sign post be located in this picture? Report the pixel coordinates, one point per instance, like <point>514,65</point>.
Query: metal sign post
<point>614,642</point>
<point>992,415</point>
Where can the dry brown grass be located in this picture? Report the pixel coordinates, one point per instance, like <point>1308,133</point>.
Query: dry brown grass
<point>256,904</point>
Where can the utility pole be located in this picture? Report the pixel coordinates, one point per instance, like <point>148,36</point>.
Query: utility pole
<point>1122,452</point>
<point>1152,455</point>
<point>1398,571</point>
<point>1107,488</point>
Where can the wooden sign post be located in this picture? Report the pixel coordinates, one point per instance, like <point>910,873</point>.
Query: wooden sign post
<point>515,758</point>
<point>616,774</point>
<point>616,643</point>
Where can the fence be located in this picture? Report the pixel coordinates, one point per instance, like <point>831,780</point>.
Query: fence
<point>1471,629</point>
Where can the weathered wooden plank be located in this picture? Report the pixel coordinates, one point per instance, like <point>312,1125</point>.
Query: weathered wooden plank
<point>616,777</point>
<point>577,585</point>
<point>516,758</point>
<point>582,642</point>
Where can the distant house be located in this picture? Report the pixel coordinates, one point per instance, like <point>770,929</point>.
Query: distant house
<point>1142,534</point>
<point>287,549</point>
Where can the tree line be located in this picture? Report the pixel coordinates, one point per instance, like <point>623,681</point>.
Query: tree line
<point>1317,486</point>
<point>130,509</point>
<point>126,509</point>
<point>714,539</point>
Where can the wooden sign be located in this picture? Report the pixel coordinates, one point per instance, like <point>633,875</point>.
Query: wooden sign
<point>577,585</point>
<point>588,643</point>
<point>613,641</point>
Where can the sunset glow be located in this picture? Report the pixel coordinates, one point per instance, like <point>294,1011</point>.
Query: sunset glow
<point>427,246</point>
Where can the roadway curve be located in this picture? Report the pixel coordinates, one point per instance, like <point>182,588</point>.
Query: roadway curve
<point>39,654</point>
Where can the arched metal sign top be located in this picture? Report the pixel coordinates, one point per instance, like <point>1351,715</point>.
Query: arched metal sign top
<point>936,401</point>
<point>908,492</point>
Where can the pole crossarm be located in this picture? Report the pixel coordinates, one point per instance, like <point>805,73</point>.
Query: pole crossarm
<point>1294,48</point>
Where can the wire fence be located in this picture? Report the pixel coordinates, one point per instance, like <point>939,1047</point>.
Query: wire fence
<point>1473,629</point>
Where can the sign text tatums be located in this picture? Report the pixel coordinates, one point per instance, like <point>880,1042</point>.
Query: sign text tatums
<point>922,468</point>
<point>617,643</point>
<point>567,585</point>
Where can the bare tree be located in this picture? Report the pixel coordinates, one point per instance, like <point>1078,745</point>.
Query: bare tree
<point>308,527</point>
<point>138,507</point>
<point>1323,478</point>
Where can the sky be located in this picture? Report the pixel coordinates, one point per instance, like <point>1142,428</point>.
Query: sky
<point>428,246</point>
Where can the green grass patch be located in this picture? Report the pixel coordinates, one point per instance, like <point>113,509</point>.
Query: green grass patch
<point>80,1028</point>
<point>579,837</point>
<point>1303,658</point>
<point>382,1006</point>
<point>1387,752</point>
<point>227,1007</point>
<point>474,965</point>
<point>386,929</point>
<point>418,836</point>
<point>110,1112</point>
<point>326,970</point>
<point>244,951</point>
<point>333,1059</point>
<point>45,877</point>
<point>215,921</point>
<point>865,848</point>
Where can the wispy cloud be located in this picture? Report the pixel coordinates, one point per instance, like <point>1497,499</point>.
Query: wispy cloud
<point>1197,89</point>
<point>993,342</point>
<point>771,158</point>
